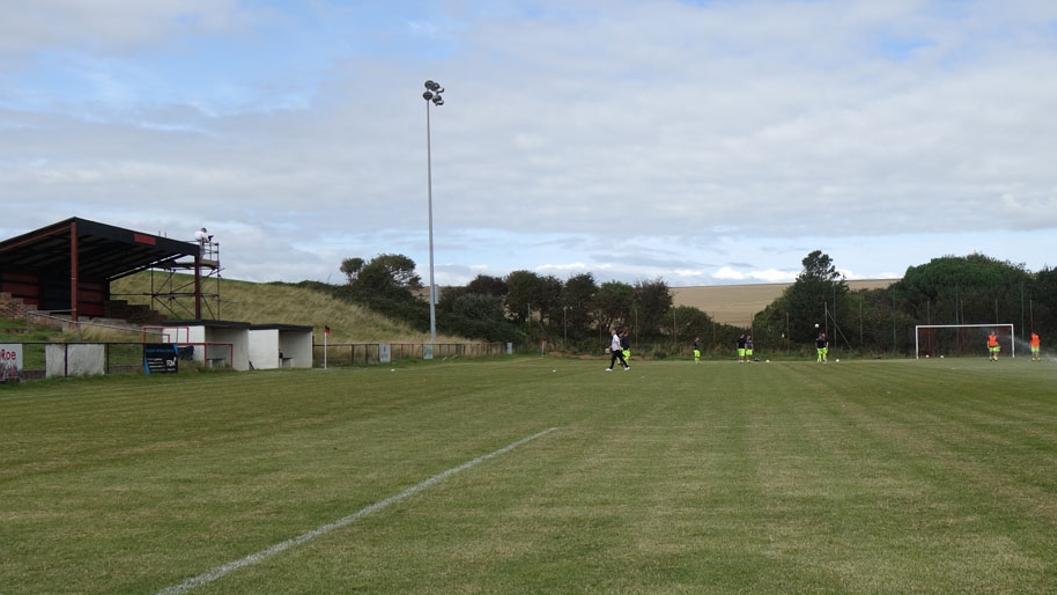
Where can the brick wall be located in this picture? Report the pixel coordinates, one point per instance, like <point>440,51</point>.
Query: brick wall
<point>12,307</point>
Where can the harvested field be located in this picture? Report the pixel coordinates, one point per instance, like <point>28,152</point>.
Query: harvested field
<point>737,304</point>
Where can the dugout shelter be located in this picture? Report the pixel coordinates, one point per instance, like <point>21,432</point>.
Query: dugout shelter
<point>67,267</point>
<point>239,345</point>
<point>215,343</point>
<point>280,346</point>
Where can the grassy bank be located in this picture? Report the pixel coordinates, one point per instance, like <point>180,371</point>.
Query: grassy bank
<point>262,303</point>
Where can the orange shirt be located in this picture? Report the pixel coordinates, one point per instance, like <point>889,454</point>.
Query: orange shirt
<point>992,341</point>
<point>1034,340</point>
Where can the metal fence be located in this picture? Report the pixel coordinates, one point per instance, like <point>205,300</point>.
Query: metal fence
<point>128,357</point>
<point>118,358</point>
<point>366,354</point>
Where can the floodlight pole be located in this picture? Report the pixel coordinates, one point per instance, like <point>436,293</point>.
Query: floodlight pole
<point>429,189</point>
<point>432,95</point>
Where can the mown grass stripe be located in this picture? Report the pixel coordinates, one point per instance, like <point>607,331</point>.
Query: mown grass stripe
<point>218,572</point>
<point>792,477</point>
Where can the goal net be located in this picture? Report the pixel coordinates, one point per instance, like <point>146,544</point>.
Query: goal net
<point>952,340</point>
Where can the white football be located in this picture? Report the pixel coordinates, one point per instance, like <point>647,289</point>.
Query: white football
<point>838,360</point>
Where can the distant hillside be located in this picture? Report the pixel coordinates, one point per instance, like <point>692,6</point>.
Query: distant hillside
<point>737,304</point>
<point>267,303</point>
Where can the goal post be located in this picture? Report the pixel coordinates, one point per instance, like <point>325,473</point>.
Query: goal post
<point>961,339</point>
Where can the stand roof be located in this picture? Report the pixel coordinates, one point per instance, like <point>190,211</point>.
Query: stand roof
<point>103,251</point>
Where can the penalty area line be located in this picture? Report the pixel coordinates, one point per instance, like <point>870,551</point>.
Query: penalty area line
<point>216,573</point>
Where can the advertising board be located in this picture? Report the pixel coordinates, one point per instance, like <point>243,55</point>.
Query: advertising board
<point>10,362</point>
<point>160,358</point>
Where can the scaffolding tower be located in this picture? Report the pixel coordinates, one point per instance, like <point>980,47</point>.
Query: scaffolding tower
<point>197,297</point>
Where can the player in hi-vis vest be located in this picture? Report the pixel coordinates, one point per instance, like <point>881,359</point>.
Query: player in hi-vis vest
<point>992,347</point>
<point>822,347</point>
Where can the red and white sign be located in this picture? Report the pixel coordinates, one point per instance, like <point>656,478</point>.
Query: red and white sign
<point>10,362</point>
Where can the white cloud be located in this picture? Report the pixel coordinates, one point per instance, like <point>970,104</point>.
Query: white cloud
<point>766,275</point>
<point>112,25</point>
<point>702,144</point>
<point>1034,212</point>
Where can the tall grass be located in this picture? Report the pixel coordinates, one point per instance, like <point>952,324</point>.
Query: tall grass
<point>794,477</point>
<point>263,303</point>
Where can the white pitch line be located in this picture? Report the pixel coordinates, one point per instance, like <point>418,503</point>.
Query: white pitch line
<point>219,571</point>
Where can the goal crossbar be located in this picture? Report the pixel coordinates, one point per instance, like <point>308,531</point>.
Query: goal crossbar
<point>918,327</point>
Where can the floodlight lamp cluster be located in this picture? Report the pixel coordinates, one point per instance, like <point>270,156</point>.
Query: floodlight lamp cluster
<point>433,91</point>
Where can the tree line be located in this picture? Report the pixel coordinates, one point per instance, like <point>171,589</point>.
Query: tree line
<point>952,290</point>
<point>574,315</point>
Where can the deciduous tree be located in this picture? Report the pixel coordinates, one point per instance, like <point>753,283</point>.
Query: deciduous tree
<point>522,289</point>
<point>653,301</point>
<point>577,300</point>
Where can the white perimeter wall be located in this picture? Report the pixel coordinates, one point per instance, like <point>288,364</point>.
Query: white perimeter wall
<point>74,360</point>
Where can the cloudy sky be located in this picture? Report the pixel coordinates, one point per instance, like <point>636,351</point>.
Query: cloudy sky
<point>701,142</point>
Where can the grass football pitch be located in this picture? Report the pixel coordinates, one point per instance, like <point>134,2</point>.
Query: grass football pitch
<point>536,475</point>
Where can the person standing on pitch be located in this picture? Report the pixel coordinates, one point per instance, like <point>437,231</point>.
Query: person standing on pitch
<point>697,350</point>
<point>741,348</point>
<point>822,347</point>
<point>993,347</point>
<point>748,348</point>
<point>1035,345</point>
<point>625,346</point>
<point>617,352</point>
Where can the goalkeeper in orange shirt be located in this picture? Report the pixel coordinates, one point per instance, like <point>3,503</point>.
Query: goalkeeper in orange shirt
<point>992,347</point>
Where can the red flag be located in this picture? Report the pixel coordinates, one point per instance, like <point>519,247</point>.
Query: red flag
<point>326,330</point>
